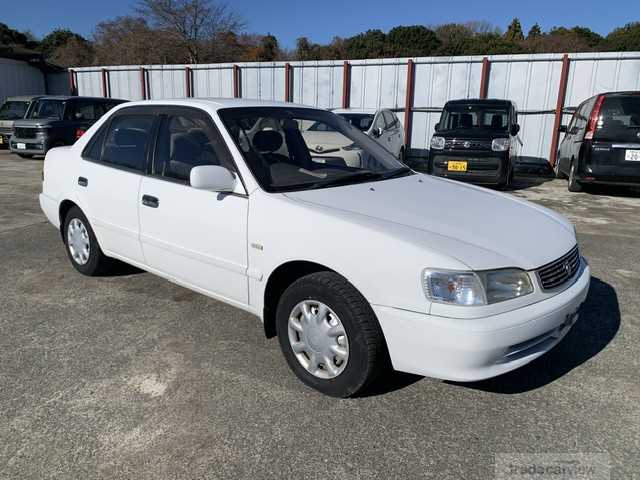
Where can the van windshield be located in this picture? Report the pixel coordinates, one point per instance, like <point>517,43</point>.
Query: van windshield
<point>474,117</point>
<point>13,110</point>
<point>46,109</point>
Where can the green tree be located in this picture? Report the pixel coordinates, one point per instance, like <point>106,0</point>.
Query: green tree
<point>582,37</point>
<point>455,39</point>
<point>534,32</point>
<point>514,31</point>
<point>411,41</point>
<point>625,38</point>
<point>369,44</point>
<point>12,38</point>
<point>268,50</point>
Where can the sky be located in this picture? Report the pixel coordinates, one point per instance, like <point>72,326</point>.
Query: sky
<point>321,20</point>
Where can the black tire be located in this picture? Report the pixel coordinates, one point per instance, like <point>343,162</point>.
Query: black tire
<point>573,184</point>
<point>402,155</point>
<point>506,182</point>
<point>97,263</point>
<point>25,155</point>
<point>367,350</point>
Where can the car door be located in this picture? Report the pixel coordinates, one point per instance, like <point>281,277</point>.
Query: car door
<point>109,177</point>
<point>393,132</point>
<point>196,237</point>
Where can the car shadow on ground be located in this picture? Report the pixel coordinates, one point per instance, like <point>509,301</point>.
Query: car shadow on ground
<point>598,324</point>
<point>612,191</point>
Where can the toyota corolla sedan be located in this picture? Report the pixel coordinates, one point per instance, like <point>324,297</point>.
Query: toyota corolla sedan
<point>349,264</point>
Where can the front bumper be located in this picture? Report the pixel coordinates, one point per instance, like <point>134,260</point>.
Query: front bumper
<point>476,349</point>
<point>482,168</point>
<point>33,146</point>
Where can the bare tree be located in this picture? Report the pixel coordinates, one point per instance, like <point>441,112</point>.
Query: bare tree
<point>194,23</point>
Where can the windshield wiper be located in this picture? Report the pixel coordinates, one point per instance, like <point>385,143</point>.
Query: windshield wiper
<point>398,172</point>
<point>346,179</point>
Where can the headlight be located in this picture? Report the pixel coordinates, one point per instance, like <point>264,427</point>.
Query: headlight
<point>501,285</point>
<point>471,288</point>
<point>437,143</point>
<point>500,144</point>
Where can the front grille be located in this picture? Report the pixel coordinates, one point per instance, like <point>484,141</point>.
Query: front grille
<point>560,271</point>
<point>462,144</point>
<point>24,132</point>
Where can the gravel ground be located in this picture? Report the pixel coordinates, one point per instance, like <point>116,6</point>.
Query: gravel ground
<point>130,376</point>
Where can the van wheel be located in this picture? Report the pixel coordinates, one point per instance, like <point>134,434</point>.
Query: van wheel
<point>504,184</point>
<point>329,335</point>
<point>81,245</point>
<point>557,172</point>
<point>25,155</point>
<point>573,185</point>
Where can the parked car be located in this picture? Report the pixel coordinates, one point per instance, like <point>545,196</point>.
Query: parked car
<point>476,141</point>
<point>13,108</point>
<point>326,255</point>
<point>55,122</point>
<point>382,125</point>
<point>602,142</point>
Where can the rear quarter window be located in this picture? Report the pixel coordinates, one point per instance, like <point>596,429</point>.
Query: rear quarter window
<point>619,118</point>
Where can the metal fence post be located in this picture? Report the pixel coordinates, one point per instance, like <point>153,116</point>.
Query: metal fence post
<point>143,83</point>
<point>408,103</point>
<point>236,81</point>
<point>105,83</point>
<point>287,82</point>
<point>188,87</point>
<point>484,79</point>
<point>346,84</point>
<point>562,91</point>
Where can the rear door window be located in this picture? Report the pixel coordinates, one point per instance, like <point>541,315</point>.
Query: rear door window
<point>127,141</point>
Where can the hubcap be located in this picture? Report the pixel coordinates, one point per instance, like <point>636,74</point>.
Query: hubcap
<point>78,241</point>
<point>318,339</point>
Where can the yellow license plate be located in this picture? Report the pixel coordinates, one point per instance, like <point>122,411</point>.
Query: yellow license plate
<point>456,166</point>
<point>1,139</point>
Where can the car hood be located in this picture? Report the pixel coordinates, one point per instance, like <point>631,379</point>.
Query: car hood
<point>481,228</point>
<point>35,122</point>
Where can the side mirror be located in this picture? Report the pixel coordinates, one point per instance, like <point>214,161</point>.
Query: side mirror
<point>437,127</point>
<point>515,128</point>
<point>562,129</point>
<point>376,132</point>
<point>213,178</point>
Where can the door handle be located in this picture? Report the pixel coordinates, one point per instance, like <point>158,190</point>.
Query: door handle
<point>149,201</point>
<point>83,182</point>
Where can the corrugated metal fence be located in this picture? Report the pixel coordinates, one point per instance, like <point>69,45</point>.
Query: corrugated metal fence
<point>20,78</point>
<point>543,86</point>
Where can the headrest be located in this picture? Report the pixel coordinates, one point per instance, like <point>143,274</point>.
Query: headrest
<point>267,141</point>
<point>184,147</point>
<point>130,137</point>
<point>496,121</point>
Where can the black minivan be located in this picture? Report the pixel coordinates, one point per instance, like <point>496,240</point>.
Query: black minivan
<point>602,142</point>
<point>476,141</point>
<point>55,121</point>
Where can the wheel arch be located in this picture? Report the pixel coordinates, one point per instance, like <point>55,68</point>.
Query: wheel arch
<point>279,280</point>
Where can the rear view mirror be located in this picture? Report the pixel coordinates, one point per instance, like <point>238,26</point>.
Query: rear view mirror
<point>562,129</point>
<point>437,127</point>
<point>213,178</point>
<point>515,128</point>
<point>376,132</point>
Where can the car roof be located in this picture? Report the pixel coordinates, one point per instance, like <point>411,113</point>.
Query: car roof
<point>22,98</point>
<point>480,101</point>
<point>365,111</point>
<point>219,103</point>
<point>65,98</point>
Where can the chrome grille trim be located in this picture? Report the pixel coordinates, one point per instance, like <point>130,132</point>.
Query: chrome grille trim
<point>461,144</point>
<point>557,273</point>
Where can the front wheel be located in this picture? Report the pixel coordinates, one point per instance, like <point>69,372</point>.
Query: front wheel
<point>573,185</point>
<point>25,155</point>
<point>329,335</point>
<point>81,245</point>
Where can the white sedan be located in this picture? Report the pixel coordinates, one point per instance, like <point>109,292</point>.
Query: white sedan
<point>382,125</point>
<point>348,265</point>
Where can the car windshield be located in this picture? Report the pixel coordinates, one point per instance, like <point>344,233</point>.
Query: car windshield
<point>284,154</point>
<point>46,109</point>
<point>474,117</point>
<point>13,110</point>
<point>362,121</point>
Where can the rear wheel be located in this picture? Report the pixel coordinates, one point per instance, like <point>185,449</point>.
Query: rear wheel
<point>557,172</point>
<point>506,182</point>
<point>573,185</point>
<point>25,155</point>
<point>329,335</point>
<point>81,244</point>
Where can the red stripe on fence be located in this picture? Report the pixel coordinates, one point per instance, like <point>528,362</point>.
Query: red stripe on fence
<point>562,91</point>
